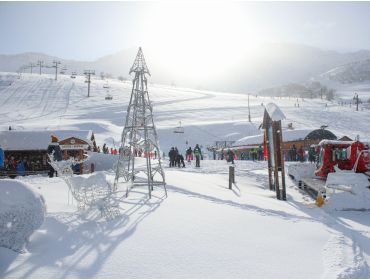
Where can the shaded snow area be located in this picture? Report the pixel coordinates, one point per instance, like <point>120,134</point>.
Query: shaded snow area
<point>22,211</point>
<point>201,229</point>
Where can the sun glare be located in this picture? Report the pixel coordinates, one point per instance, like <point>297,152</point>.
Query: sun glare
<point>199,38</point>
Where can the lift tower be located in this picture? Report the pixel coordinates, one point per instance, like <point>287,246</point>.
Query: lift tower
<point>139,136</point>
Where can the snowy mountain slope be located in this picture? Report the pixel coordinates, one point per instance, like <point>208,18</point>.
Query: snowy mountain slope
<point>202,229</point>
<point>40,102</point>
<point>269,64</point>
<point>354,72</point>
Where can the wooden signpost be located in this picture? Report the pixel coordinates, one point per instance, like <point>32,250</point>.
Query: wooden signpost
<point>273,142</point>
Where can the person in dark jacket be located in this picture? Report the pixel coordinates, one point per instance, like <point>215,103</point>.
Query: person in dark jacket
<point>171,156</point>
<point>198,155</point>
<point>230,156</point>
<point>2,157</point>
<point>55,153</point>
<point>180,160</point>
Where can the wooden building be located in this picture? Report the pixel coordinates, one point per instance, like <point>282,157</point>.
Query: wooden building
<point>30,146</point>
<point>296,137</point>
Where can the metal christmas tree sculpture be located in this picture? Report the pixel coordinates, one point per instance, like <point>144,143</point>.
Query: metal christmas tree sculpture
<point>139,157</point>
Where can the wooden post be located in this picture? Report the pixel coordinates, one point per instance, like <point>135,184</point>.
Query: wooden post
<point>269,162</point>
<point>283,193</point>
<point>276,164</point>
<point>231,176</point>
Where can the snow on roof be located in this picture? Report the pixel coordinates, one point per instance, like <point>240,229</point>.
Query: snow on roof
<point>274,112</point>
<point>288,135</point>
<point>23,140</point>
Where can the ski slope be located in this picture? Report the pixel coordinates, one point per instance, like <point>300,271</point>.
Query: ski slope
<point>43,103</point>
<point>202,229</point>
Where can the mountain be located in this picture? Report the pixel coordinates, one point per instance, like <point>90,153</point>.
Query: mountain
<point>354,72</point>
<point>270,64</point>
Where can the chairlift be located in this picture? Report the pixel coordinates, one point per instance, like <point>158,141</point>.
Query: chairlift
<point>108,96</point>
<point>106,85</point>
<point>73,75</point>
<point>178,129</point>
<point>63,70</point>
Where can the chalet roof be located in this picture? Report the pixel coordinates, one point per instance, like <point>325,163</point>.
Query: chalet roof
<point>25,140</point>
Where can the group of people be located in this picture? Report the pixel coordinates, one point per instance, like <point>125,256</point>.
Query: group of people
<point>106,150</point>
<point>177,159</point>
<point>253,154</point>
<point>295,154</point>
<point>17,165</point>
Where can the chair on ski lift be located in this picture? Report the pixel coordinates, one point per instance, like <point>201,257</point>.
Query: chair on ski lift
<point>178,129</point>
<point>108,97</point>
<point>63,70</point>
<point>106,85</point>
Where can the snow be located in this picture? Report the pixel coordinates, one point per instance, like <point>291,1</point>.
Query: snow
<point>22,211</point>
<point>274,112</point>
<point>202,229</point>
<point>301,170</point>
<point>349,191</point>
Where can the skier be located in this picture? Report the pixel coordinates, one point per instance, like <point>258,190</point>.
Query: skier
<point>177,160</point>
<point>301,154</point>
<point>55,152</point>
<point>171,156</point>
<point>294,153</point>
<point>2,158</point>
<point>260,153</point>
<point>198,154</point>
<point>230,156</point>
<point>311,154</point>
<point>180,159</point>
<point>20,167</point>
<point>189,154</point>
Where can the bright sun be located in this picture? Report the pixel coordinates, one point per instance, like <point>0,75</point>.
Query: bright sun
<point>199,38</point>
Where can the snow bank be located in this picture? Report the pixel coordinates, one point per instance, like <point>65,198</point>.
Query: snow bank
<point>22,210</point>
<point>349,191</point>
<point>301,170</point>
<point>102,162</point>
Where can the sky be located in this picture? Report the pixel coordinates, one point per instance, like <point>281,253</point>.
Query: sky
<point>90,30</point>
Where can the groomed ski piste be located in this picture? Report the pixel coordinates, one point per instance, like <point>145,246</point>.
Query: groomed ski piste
<point>202,229</point>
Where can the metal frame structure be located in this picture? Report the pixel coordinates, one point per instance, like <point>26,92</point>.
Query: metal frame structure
<point>139,133</point>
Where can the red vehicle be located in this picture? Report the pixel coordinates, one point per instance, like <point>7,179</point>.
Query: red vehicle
<point>347,155</point>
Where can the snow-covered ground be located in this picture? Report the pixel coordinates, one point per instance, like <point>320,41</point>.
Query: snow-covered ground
<point>202,229</point>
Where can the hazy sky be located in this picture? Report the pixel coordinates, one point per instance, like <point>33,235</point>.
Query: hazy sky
<point>89,30</point>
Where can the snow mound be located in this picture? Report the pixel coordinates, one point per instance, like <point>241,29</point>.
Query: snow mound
<point>102,162</point>
<point>22,211</point>
<point>301,170</point>
<point>348,196</point>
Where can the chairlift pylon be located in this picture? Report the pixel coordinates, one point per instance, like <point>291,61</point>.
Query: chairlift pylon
<point>178,129</point>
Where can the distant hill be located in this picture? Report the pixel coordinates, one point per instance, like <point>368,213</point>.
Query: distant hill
<point>354,72</point>
<point>271,65</point>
